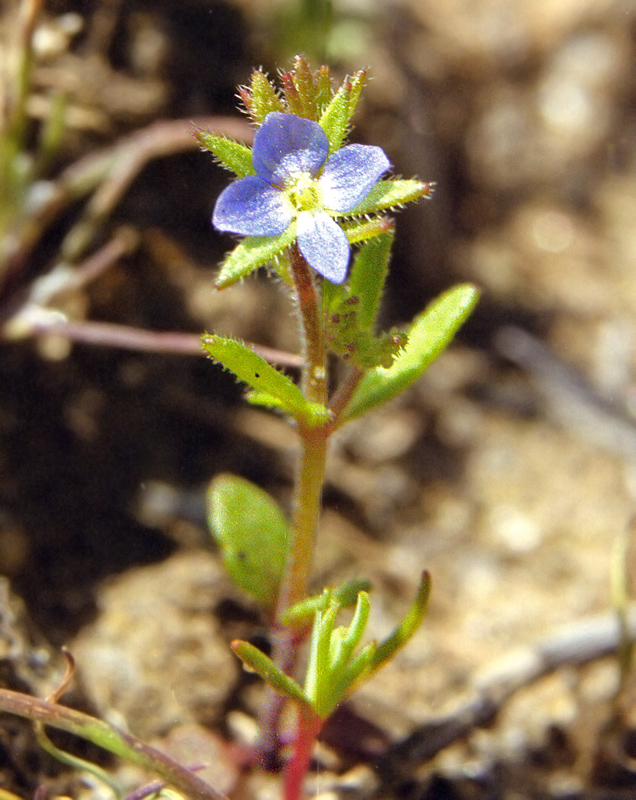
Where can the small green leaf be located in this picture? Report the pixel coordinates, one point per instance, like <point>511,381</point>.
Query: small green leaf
<point>318,677</point>
<point>336,118</point>
<point>429,334</point>
<point>406,628</point>
<point>251,531</point>
<point>232,155</point>
<point>252,369</point>
<point>392,193</point>
<point>257,661</point>
<point>250,254</point>
<point>351,636</point>
<point>368,274</point>
<point>354,673</point>
<point>344,595</point>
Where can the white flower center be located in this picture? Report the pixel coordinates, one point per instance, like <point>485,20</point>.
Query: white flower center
<point>303,192</point>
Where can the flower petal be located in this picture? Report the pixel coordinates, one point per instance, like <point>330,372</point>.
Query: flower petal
<point>324,244</point>
<point>350,174</point>
<point>286,145</point>
<point>250,206</point>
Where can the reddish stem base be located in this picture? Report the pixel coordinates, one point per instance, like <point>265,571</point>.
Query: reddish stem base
<point>309,726</point>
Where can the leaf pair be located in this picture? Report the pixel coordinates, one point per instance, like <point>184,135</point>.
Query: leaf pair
<point>428,335</point>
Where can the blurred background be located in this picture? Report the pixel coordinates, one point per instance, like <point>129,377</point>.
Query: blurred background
<point>508,471</point>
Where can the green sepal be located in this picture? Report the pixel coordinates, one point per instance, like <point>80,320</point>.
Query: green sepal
<point>333,295</point>
<point>324,92</point>
<point>252,532</point>
<point>336,117</point>
<point>429,334</point>
<point>405,630</point>
<point>252,369</point>
<point>250,254</point>
<point>262,665</point>
<point>304,80</point>
<point>351,310</point>
<point>234,156</point>
<point>362,230</point>
<point>261,98</point>
<point>346,594</point>
<point>346,338</point>
<point>393,193</point>
<point>315,413</point>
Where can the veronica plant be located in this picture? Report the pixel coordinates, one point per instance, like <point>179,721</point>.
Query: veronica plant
<point>302,198</point>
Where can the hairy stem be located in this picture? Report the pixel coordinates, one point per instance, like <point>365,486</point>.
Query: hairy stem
<point>307,494</point>
<point>313,441</point>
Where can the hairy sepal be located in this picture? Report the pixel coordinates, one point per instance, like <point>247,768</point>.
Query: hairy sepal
<point>234,156</point>
<point>393,193</point>
<point>336,118</point>
<point>250,254</point>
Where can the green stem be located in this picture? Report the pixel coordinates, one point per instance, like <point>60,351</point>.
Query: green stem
<point>343,395</point>
<point>313,441</point>
<point>117,742</point>
<point>307,494</point>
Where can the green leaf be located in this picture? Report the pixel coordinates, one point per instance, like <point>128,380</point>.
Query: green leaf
<point>429,334</point>
<point>406,628</point>
<point>232,155</point>
<point>314,413</point>
<point>351,636</point>
<point>250,254</point>
<point>354,673</point>
<point>336,118</point>
<point>251,531</point>
<point>393,193</point>
<point>368,274</point>
<point>252,369</point>
<point>257,661</point>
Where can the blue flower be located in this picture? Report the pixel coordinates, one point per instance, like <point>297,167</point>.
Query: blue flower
<point>295,180</point>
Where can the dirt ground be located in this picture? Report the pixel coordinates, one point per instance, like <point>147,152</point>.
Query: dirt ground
<point>508,471</point>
